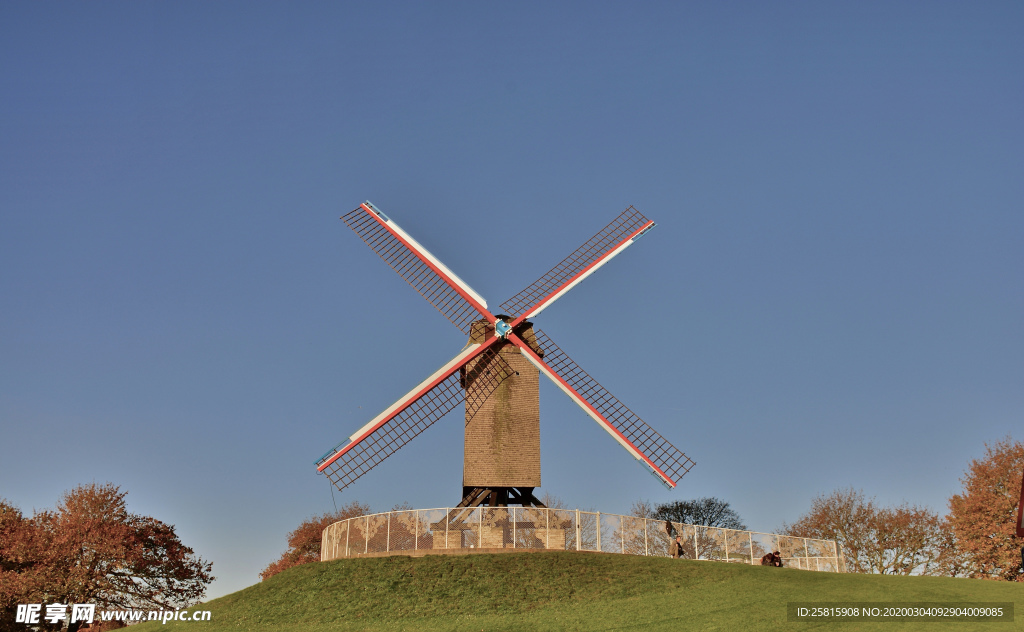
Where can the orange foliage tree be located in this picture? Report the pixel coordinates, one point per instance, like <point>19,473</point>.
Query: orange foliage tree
<point>20,578</point>
<point>304,541</point>
<point>91,550</point>
<point>983,517</point>
<point>888,540</point>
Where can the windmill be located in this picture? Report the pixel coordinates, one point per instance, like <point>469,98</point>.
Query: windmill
<point>497,373</point>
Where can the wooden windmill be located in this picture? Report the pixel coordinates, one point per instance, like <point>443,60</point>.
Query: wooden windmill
<point>497,373</point>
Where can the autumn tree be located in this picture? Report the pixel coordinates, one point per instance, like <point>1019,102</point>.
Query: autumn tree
<point>20,577</point>
<point>899,540</point>
<point>907,539</point>
<point>842,516</point>
<point>91,550</point>
<point>304,541</point>
<point>983,516</point>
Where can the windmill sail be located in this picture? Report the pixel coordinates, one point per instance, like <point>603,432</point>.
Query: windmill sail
<point>646,445</point>
<point>449,294</point>
<point>359,457</point>
<point>417,410</point>
<point>584,261</point>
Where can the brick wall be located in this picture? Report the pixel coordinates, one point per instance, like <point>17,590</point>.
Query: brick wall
<point>502,440</point>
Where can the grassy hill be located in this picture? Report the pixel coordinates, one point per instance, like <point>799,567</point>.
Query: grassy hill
<point>570,591</point>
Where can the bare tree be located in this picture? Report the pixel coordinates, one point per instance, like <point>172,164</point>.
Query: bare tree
<point>553,502</point>
<point>707,511</point>
<point>642,509</point>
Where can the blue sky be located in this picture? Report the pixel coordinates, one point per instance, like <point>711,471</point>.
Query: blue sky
<point>832,296</point>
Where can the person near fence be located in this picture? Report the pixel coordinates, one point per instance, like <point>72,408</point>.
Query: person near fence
<point>772,559</point>
<point>677,547</point>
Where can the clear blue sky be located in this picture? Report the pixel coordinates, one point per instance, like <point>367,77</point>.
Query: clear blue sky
<point>832,296</point>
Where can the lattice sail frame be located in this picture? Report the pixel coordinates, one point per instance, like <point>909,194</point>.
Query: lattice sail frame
<point>584,261</point>
<point>442,392</point>
<point>364,450</point>
<point>403,428</point>
<point>449,294</point>
<point>662,454</point>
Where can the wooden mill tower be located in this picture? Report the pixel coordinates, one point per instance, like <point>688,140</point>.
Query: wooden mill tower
<point>502,450</point>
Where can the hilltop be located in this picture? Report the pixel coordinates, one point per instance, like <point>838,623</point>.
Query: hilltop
<point>567,591</point>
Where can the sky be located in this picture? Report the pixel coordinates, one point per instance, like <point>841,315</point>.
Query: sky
<point>831,297</point>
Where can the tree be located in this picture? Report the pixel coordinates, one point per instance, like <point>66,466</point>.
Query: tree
<point>92,550</point>
<point>642,509</point>
<point>907,539</point>
<point>304,541</point>
<point>707,511</point>
<point>551,501</point>
<point>842,516</point>
<point>19,575</point>
<point>983,516</point>
<point>887,540</point>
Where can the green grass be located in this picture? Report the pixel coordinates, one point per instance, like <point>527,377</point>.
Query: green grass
<point>521,592</point>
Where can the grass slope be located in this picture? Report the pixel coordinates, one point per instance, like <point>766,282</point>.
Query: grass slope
<point>569,591</point>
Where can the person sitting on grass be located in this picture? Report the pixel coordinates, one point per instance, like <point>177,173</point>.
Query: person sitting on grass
<point>772,559</point>
<point>677,547</point>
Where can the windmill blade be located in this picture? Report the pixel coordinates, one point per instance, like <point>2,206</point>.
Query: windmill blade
<point>401,422</point>
<point>584,261</point>
<point>449,294</point>
<point>665,461</point>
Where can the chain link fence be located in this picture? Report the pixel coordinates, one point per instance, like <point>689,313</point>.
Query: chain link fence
<point>563,530</point>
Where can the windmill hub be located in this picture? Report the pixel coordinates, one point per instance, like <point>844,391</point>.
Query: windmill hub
<point>502,329</point>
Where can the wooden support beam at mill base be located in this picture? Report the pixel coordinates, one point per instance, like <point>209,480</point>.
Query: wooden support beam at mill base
<point>499,497</point>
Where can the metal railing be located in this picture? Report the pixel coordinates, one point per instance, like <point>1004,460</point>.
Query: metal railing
<point>563,530</point>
